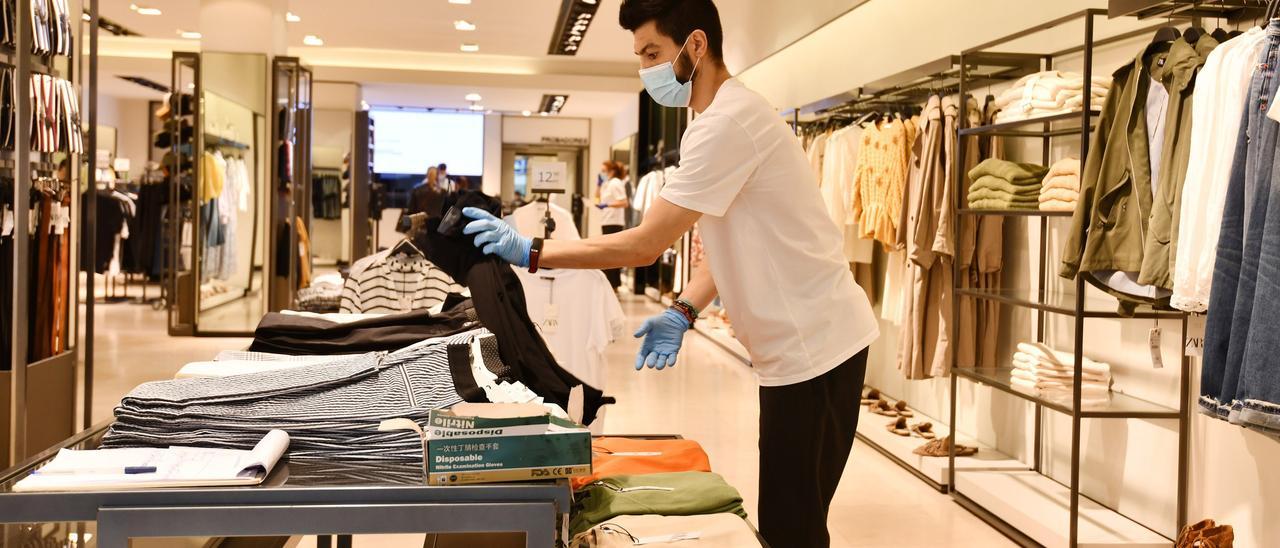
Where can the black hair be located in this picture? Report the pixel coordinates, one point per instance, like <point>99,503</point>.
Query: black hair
<point>443,166</point>
<point>676,19</point>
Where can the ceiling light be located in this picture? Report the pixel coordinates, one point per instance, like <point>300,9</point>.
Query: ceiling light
<point>526,113</point>
<point>144,11</point>
<point>477,107</point>
<point>191,85</point>
<point>86,17</point>
<point>470,48</point>
<point>189,35</point>
<point>463,25</point>
<point>292,17</point>
<point>542,114</point>
<point>312,40</point>
<point>461,2</point>
<point>473,97</point>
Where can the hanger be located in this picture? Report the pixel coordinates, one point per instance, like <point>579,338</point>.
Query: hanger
<point>1219,34</point>
<point>406,245</point>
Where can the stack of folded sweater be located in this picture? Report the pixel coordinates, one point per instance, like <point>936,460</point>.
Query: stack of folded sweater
<point>655,488</point>
<point>1049,373</point>
<point>1061,188</point>
<point>1000,184</point>
<point>1049,93</point>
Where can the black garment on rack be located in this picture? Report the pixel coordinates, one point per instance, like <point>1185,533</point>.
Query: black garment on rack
<point>499,301</point>
<point>300,335</point>
<point>326,196</point>
<point>6,282</point>
<point>111,219</point>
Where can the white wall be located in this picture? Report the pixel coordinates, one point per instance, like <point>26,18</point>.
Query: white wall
<point>129,117</point>
<point>1129,464</point>
<point>627,121</point>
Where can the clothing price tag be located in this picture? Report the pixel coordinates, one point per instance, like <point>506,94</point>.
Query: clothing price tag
<point>58,216</point>
<point>1157,361</point>
<point>1195,336</point>
<point>551,320</point>
<point>8,222</point>
<point>674,537</point>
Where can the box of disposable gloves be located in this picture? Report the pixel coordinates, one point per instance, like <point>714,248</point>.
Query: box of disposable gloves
<point>497,442</point>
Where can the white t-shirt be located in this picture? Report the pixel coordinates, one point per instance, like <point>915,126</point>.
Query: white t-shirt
<point>578,315</point>
<point>776,256</point>
<point>613,191</point>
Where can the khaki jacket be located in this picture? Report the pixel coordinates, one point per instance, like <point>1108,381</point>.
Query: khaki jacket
<point>1114,218</point>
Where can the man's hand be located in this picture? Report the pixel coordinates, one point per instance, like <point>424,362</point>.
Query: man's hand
<point>495,237</point>
<point>663,335</point>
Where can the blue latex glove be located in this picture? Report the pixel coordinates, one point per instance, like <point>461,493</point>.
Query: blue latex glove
<point>602,206</point>
<point>495,237</point>
<point>663,335</point>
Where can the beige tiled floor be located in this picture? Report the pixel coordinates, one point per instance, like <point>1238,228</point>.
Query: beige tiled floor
<point>710,397</point>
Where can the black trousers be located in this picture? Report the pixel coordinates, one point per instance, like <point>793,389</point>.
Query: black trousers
<point>806,433</point>
<point>614,274</point>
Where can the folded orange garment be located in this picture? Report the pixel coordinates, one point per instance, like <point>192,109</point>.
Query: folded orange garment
<point>629,456</point>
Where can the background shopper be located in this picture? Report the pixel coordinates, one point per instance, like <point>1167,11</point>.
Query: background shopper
<point>613,208</point>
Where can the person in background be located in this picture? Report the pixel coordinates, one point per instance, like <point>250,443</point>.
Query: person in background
<point>613,205</point>
<point>442,178</point>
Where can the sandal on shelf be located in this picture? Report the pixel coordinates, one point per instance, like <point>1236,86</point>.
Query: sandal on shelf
<point>942,447</point>
<point>901,408</point>
<point>924,430</point>
<point>882,407</point>
<point>871,397</point>
<point>899,427</point>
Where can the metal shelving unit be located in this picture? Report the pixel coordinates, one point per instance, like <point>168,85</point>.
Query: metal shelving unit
<point>1023,505</point>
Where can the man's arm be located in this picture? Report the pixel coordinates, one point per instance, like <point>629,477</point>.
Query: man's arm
<point>640,246</point>
<point>701,289</point>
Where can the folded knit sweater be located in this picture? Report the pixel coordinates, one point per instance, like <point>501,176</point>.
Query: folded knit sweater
<point>982,194</point>
<point>1059,195</point>
<point>1058,205</point>
<point>1025,188</point>
<point>1009,171</point>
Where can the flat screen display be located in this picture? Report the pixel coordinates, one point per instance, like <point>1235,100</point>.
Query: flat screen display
<point>406,142</point>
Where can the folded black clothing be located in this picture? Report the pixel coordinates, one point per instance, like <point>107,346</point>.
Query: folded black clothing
<point>301,335</point>
<point>499,302</point>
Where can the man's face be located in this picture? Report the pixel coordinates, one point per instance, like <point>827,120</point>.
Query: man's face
<point>655,48</point>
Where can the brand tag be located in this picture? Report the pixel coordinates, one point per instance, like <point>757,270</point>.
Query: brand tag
<point>1157,361</point>
<point>551,319</point>
<point>1195,336</point>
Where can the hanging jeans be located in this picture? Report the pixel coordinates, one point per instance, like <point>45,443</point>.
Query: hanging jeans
<point>1236,281</point>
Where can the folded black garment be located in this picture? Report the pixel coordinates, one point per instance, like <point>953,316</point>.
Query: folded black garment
<point>300,335</point>
<point>499,302</point>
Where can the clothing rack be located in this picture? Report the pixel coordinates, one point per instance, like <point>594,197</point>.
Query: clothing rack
<point>995,496</point>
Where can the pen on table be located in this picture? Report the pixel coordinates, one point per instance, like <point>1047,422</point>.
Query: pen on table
<point>128,470</point>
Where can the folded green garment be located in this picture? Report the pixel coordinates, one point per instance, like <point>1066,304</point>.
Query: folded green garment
<point>1001,204</point>
<point>1026,187</point>
<point>1009,171</point>
<point>671,494</point>
<point>989,194</point>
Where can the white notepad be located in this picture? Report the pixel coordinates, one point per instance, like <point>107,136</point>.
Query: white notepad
<point>104,469</point>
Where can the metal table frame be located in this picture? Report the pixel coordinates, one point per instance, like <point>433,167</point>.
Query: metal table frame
<point>531,508</point>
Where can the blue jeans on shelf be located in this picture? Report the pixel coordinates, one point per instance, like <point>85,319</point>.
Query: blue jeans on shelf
<point>1236,273</point>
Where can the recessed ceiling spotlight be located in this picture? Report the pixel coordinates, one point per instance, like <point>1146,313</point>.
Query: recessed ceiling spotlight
<point>463,25</point>
<point>292,17</point>
<point>526,113</point>
<point>542,114</point>
<point>189,35</point>
<point>490,111</point>
<point>191,85</point>
<point>461,2</point>
<point>473,97</point>
<point>470,48</point>
<point>86,17</point>
<point>144,10</point>
<point>312,40</point>
<point>477,107</point>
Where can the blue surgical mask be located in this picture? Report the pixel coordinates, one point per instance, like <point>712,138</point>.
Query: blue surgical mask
<point>661,82</point>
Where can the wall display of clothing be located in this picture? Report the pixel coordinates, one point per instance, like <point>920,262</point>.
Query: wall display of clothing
<point>225,188</point>
<point>51,26</point>
<point>399,279</point>
<point>326,195</point>
<point>55,113</point>
<point>48,328</point>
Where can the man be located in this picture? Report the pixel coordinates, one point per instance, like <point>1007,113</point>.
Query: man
<point>442,178</point>
<point>776,260</point>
